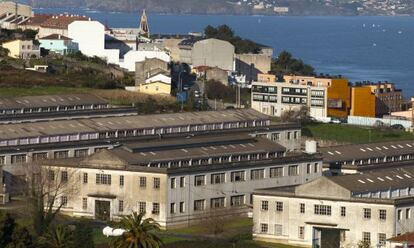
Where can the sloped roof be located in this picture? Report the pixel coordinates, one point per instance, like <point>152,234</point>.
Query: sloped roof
<point>55,37</point>
<point>62,21</point>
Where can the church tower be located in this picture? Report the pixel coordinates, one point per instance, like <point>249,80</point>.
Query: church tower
<point>143,25</point>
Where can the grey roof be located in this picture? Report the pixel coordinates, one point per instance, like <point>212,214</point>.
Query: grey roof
<point>49,101</point>
<point>366,151</point>
<point>377,180</point>
<point>93,125</point>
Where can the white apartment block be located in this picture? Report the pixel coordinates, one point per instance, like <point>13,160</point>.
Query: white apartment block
<point>275,98</point>
<point>337,211</point>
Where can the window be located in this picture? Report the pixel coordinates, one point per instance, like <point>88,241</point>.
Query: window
<point>278,230</point>
<point>382,238</point>
<point>172,183</point>
<point>293,170</point>
<point>237,200</point>
<point>399,214</point>
<point>182,182</point>
<point>264,228</point>
<point>366,237</point>
<point>315,168</point>
<point>81,153</point>
<point>2,160</point>
<point>265,205</point>
<point>199,180</point>
<point>121,180</point>
<point>279,206</point>
<point>39,156</point>
<point>276,172</point>
<point>103,179</point>
<point>301,233</point>
<point>217,202</point>
<point>302,208</point>
<point>51,175</point>
<point>20,158</point>
<point>408,213</point>
<point>85,177</point>
<point>218,178</point>
<point>308,168</point>
<point>367,213</point>
<point>182,207</point>
<point>199,205</point>
<point>237,176</point>
<point>142,207</point>
<point>257,174</point>
<point>61,154</point>
<point>155,208</point>
<point>142,182</point>
<point>157,182</point>
<point>343,211</point>
<point>64,201</point>
<point>121,206</point>
<point>322,209</point>
<point>172,208</point>
<point>64,176</point>
<point>84,203</point>
<point>382,214</point>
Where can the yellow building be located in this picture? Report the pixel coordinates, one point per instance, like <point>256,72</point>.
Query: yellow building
<point>23,49</point>
<point>363,102</point>
<point>155,88</point>
<point>339,93</point>
<point>268,78</point>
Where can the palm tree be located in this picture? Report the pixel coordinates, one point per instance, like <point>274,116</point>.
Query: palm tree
<point>141,233</point>
<point>59,237</point>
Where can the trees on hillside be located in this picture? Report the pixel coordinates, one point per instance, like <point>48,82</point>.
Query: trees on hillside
<point>285,63</point>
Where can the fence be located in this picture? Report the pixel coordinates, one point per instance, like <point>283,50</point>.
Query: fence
<point>370,121</point>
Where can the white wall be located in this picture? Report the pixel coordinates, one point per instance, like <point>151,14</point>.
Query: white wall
<point>132,57</point>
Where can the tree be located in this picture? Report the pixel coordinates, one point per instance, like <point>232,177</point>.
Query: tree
<point>58,237</point>
<point>83,234</point>
<point>141,233</point>
<point>21,238</point>
<point>286,64</point>
<point>7,226</point>
<point>364,244</point>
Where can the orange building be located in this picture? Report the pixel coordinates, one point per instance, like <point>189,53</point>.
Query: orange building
<point>363,102</point>
<point>339,92</point>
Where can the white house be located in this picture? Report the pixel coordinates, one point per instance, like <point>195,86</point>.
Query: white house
<point>132,57</point>
<point>160,77</point>
<point>90,35</point>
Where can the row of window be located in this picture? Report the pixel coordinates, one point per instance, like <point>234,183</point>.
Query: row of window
<point>264,98</point>
<point>51,109</point>
<point>319,209</point>
<point>294,100</point>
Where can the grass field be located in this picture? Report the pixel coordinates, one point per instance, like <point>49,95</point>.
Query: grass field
<point>353,134</point>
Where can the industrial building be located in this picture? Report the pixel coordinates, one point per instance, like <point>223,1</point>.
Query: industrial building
<point>349,159</point>
<point>338,211</point>
<point>213,53</point>
<point>278,98</point>
<point>179,181</point>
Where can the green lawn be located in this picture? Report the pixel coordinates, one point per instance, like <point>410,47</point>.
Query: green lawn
<point>353,134</point>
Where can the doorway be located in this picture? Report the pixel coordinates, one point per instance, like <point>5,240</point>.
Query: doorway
<point>102,210</point>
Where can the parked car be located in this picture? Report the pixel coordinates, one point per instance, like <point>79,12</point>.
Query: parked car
<point>398,126</point>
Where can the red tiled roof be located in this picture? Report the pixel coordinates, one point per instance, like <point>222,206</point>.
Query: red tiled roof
<point>55,37</point>
<point>62,21</point>
<point>406,237</point>
<point>37,19</point>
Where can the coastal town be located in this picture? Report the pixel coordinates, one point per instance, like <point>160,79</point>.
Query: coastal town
<point>115,137</point>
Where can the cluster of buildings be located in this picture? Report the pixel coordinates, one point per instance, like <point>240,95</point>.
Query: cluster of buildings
<point>324,96</point>
<point>181,168</point>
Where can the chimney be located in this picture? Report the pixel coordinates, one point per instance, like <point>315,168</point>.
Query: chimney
<point>310,147</point>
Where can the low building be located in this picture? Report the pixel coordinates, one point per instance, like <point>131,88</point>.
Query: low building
<point>156,84</point>
<point>277,98</point>
<point>22,49</point>
<point>349,159</point>
<point>338,89</point>
<point>59,44</point>
<point>133,57</point>
<point>213,53</point>
<point>406,239</point>
<point>180,181</point>
<point>337,211</point>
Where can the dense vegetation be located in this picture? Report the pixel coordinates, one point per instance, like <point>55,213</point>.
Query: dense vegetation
<point>219,91</point>
<point>224,32</point>
<point>286,64</point>
<point>7,35</point>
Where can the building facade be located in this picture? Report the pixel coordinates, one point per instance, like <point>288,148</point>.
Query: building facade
<point>179,182</point>
<point>22,49</point>
<point>277,98</point>
<point>58,44</point>
<point>213,53</point>
<point>337,211</point>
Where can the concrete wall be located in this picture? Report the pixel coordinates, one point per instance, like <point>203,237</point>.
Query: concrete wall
<point>172,46</point>
<point>213,53</point>
<point>363,102</point>
<point>142,68</point>
<point>371,121</point>
<point>132,57</point>
<point>218,75</point>
<point>252,64</point>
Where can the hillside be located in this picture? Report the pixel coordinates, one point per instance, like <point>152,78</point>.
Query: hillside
<point>265,7</point>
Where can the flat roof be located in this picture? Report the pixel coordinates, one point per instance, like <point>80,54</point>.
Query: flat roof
<point>94,125</point>
<point>365,151</point>
<point>49,101</point>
